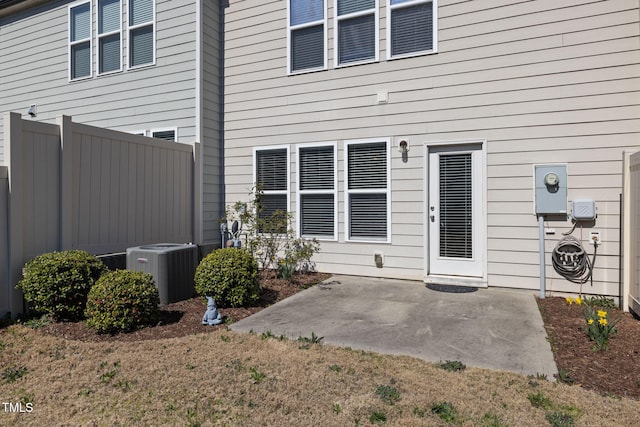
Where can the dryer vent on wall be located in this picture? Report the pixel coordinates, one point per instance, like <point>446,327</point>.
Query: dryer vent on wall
<point>171,265</point>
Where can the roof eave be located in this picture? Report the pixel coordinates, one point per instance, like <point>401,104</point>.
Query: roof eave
<point>9,7</point>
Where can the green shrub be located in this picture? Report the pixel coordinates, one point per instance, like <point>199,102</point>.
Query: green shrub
<point>122,301</point>
<point>57,283</point>
<point>230,276</point>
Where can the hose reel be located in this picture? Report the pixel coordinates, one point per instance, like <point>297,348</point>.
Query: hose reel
<point>571,261</point>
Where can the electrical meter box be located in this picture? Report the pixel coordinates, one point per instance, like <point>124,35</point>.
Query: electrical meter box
<point>551,189</point>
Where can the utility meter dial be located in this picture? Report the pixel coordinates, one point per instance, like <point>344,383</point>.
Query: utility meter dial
<point>551,179</point>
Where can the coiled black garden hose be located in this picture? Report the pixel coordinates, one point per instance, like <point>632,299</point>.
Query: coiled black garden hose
<point>572,262</point>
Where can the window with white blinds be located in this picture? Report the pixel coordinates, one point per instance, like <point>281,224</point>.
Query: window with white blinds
<point>109,36</point>
<point>367,190</point>
<point>356,31</point>
<point>80,41</point>
<point>141,33</point>
<point>317,197</point>
<point>456,205</point>
<point>306,31</point>
<point>411,27</point>
<point>272,178</point>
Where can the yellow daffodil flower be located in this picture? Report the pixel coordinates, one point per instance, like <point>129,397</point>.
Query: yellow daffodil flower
<point>590,321</point>
<point>569,300</point>
<point>578,300</point>
<point>602,313</point>
<point>603,322</point>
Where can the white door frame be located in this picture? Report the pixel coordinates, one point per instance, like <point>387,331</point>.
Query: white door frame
<point>482,218</point>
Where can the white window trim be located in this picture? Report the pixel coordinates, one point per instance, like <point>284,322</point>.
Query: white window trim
<point>347,192</point>
<point>100,36</point>
<point>291,28</point>
<point>89,39</point>
<point>391,7</point>
<point>337,19</point>
<point>131,28</point>
<point>168,129</point>
<point>255,177</point>
<point>303,192</point>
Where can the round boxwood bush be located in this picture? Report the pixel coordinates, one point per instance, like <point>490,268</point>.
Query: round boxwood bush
<point>230,276</point>
<point>57,283</point>
<point>122,301</point>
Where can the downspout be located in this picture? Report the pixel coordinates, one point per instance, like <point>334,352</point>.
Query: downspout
<point>543,273</point>
<point>221,99</point>
<point>198,177</point>
<point>621,296</point>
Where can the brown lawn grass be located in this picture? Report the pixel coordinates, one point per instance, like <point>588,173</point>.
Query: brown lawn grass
<point>225,378</point>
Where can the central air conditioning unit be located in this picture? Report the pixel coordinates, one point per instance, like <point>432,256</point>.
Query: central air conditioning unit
<point>172,266</point>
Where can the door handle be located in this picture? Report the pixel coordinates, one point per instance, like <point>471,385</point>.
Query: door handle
<point>433,218</point>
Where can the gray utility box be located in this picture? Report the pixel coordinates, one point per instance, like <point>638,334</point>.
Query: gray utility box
<point>551,189</point>
<point>171,265</point>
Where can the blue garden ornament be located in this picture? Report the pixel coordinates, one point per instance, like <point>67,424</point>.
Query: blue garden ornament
<point>211,316</point>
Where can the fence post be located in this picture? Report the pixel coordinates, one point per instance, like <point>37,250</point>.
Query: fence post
<point>5,289</point>
<point>196,208</point>
<point>13,143</point>
<point>67,238</point>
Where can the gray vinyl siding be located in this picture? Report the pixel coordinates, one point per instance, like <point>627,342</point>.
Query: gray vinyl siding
<point>34,70</point>
<point>549,81</point>
<point>211,111</point>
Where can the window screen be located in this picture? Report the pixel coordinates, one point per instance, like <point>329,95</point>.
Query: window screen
<point>316,172</point>
<point>141,12</point>
<point>368,216</point>
<point>307,34</point>
<point>412,27</point>
<point>141,32</point>
<point>367,165</point>
<point>356,24</point>
<point>80,41</point>
<point>307,48</point>
<point>272,180</point>
<point>367,191</point>
<point>109,52</point>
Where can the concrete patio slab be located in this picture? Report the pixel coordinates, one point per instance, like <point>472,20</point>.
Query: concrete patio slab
<point>487,328</point>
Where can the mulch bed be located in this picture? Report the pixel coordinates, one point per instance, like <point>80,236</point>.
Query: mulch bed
<point>615,371</point>
<point>185,317</point>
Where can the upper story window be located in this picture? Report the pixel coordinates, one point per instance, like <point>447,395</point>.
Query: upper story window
<point>356,31</point>
<point>80,41</point>
<point>141,32</point>
<point>109,36</point>
<point>412,27</point>
<point>411,30</point>
<point>306,35</point>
